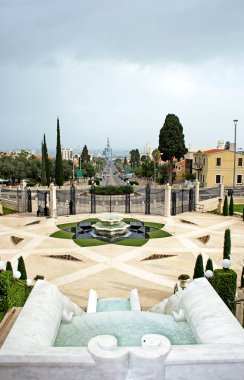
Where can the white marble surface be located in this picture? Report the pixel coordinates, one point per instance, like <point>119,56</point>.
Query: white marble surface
<point>134,300</point>
<point>92,302</point>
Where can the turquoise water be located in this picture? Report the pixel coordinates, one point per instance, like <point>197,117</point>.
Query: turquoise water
<point>127,326</point>
<point>113,304</point>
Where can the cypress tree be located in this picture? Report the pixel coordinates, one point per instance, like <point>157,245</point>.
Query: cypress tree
<point>9,266</point>
<point>225,207</point>
<point>46,161</point>
<point>209,265</point>
<point>43,171</point>
<point>242,278</point>
<point>85,156</point>
<point>231,206</point>
<point>198,270</point>
<point>243,214</point>
<point>21,268</point>
<point>227,244</point>
<point>59,173</point>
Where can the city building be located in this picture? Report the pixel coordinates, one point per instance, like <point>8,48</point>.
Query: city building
<point>66,154</point>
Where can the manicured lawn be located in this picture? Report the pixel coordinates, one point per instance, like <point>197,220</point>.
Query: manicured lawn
<point>238,208</point>
<point>89,242</point>
<point>154,225</point>
<point>62,234</point>
<point>158,234</point>
<point>7,211</point>
<point>132,242</point>
<point>128,220</point>
<point>2,314</point>
<point>67,225</point>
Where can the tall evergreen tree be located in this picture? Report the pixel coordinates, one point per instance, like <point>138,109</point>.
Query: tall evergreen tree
<point>225,207</point>
<point>227,244</point>
<point>21,268</point>
<point>198,270</point>
<point>242,278</point>
<point>46,161</point>
<point>9,266</point>
<point>209,265</point>
<point>43,170</point>
<point>85,156</point>
<point>231,206</point>
<point>59,173</point>
<point>171,142</point>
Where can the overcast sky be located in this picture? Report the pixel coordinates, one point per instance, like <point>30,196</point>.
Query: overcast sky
<point>116,68</point>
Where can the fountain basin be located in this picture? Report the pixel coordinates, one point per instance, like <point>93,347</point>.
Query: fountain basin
<point>111,226</point>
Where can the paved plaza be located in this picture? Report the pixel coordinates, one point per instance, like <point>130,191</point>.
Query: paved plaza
<point>112,270</point>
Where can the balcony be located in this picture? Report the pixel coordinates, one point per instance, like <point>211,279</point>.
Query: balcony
<point>196,166</point>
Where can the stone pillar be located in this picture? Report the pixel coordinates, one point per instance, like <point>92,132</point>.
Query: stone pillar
<point>197,199</point>
<point>221,190</point>
<point>53,201</point>
<point>23,196</point>
<point>219,208</point>
<point>167,203</point>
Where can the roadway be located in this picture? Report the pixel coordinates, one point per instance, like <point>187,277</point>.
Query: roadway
<point>111,178</point>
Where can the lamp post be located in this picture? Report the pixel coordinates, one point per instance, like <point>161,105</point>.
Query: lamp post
<point>234,172</point>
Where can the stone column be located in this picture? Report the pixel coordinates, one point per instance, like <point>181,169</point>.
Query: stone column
<point>167,204</point>
<point>23,196</point>
<point>221,190</point>
<point>53,201</point>
<point>197,199</point>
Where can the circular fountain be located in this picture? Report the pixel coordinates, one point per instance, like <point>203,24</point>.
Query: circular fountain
<point>111,227</point>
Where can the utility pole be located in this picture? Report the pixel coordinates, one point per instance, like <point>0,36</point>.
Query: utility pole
<point>234,171</point>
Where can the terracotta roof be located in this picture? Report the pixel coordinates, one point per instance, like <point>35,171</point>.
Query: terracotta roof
<point>39,156</point>
<point>212,151</point>
<point>180,163</point>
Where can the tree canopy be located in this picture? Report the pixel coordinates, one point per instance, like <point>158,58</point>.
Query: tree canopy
<point>172,141</point>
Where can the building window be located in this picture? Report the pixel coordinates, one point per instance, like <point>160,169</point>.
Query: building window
<point>218,178</point>
<point>204,161</point>
<point>203,178</point>
<point>239,161</point>
<point>179,167</point>
<point>239,179</point>
<point>218,162</point>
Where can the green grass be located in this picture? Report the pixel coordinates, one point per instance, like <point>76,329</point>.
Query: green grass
<point>128,220</point>
<point>2,314</point>
<point>132,242</point>
<point>62,234</point>
<point>158,234</point>
<point>89,242</point>
<point>7,211</point>
<point>154,225</point>
<point>67,225</point>
<point>238,208</point>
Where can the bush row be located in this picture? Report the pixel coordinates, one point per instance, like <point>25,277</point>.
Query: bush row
<point>114,190</point>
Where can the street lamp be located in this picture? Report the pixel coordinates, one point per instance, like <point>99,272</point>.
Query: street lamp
<point>234,173</point>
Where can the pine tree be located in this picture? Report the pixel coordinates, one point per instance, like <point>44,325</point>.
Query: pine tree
<point>209,265</point>
<point>227,244</point>
<point>242,278</point>
<point>225,207</point>
<point>46,161</point>
<point>231,206</point>
<point>21,268</point>
<point>85,156</point>
<point>198,270</point>
<point>171,142</point>
<point>9,266</point>
<point>59,173</point>
<point>43,171</point>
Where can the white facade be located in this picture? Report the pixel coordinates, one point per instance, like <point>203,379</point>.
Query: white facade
<point>66,154</point>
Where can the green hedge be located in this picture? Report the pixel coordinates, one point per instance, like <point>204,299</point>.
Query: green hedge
<point>12,292</point>
<point>224,282</point>
<point>114,190</point>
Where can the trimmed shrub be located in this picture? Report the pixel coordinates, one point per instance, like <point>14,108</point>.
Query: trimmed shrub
<point>39,277</point>
<point>12,292</point>
<point>198,270</point>
<point>209,265</point>
<point>231,206</point>
<point>242,278</point>
<point>224,282</point>
<point>243,214</point>
<point>21,268</point>
<point>96,181</point>
<point>9,266</point>
<point>114,190</point>
<point>226,207</point>
<point>227,244</point>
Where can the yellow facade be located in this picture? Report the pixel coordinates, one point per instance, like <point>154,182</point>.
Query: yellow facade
<point>218,167</point>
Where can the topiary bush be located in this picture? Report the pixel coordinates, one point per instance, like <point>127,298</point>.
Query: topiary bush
<point>227,244</point>
<point>209,265</point>
<point>114,190</point>
<point>21,268</point>
<point>225,207</point>
<point>198,270</point>
<point>224,282</point>
<point>12,292</point>
<point>231,206</point>
<point>243,214</point>
<point>9,266</point>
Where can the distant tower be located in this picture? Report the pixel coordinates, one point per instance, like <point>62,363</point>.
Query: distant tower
<point>108,151</point>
